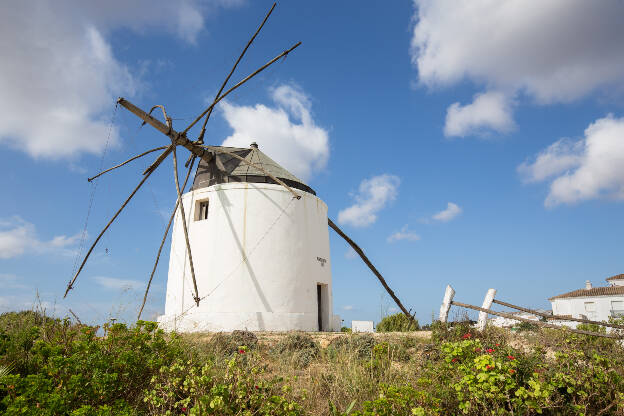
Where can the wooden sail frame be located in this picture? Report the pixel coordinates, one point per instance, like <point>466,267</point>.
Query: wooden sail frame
<point>206,153</point>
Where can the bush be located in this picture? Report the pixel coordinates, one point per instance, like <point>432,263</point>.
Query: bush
<point>397,323</point>
<point>74,368</point>
<point>526,326</point>
<point>360,344</point>
<point>296,341</point>
<point>246,338</point>
<point>186,387</point>
<point>228,344</point>
<point>300,347</point>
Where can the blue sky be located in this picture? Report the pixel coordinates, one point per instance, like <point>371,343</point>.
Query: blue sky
<point>479,144</point>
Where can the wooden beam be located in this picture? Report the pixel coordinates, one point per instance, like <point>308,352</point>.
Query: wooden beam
<point>73,280</point>
<point>162,243</point>
<point>126,162</point>
<point>560,317</point>
<point>184,226</point>
<point>179,138</point>
<point>360,252</point>
<point>544,324</point>
<point>200,139</point>
<point>253,74</point>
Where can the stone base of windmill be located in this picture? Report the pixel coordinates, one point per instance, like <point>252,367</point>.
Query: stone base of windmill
<point>255,321</point>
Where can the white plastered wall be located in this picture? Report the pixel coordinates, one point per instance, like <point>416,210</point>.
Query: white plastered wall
<point>258,258</point>
<point>576,306</point>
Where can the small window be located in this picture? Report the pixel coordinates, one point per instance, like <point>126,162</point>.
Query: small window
<point>590,309</point>
<point>617,308</point>
<point>202,210</point>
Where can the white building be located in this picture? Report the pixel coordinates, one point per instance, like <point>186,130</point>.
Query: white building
<point>503,322</point>
<point>261,256</point>
<point>595,303</point>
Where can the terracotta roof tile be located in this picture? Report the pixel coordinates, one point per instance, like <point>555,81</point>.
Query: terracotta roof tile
<point>616,277</point>
<point>596,291</point>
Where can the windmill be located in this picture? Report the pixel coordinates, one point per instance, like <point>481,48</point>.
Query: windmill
<point>251,233</point>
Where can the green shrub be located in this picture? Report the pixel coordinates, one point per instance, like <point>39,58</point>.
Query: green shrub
<point>184,387</point>
<point>74,368</point>
<point>397,322</point>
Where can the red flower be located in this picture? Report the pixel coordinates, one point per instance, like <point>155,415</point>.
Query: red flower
<point>453,360</point>
<point>184,409</point>
<point>488,367</point>
<point>241,351</point>
<point>256,387</point>
<point>511,357</point>
<point>467,335</point>
<point>498,345</point>
<point>512,371</point>
<point>490,350</point>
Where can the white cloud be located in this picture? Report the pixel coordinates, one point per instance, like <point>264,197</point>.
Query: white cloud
<point>452,210</point>
<point>59,76</point>
<point>403,234</point>
<point>11,281</point>
<point>590,168</point>
<point>350,254</point>
<point>287,132</point>
<point>559,157</point>
<point>488,111</point>
<point>348,307</point>
<point>559,51</point>
<point>18,236</point>
<point>118,284</point>
<point>373,195</point>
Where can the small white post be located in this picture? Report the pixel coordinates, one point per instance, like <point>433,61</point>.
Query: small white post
<point>487,303</point>
<point>446,303</point>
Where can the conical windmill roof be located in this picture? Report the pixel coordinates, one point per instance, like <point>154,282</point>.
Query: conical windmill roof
<point>225,168</point>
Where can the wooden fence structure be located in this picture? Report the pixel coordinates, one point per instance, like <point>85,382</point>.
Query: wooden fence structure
<point>485,309</point>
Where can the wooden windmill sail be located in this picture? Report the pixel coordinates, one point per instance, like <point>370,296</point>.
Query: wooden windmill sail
<point>215,165</point>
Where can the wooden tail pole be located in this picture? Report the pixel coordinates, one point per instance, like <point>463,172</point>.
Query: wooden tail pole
<point>487,303</point>
<point>449,293</point>
<point>359,251</point>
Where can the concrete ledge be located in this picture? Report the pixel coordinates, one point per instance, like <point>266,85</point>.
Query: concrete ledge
<point>250,321</point>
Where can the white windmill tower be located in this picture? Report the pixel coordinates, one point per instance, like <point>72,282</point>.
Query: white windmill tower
<point>250,246</point>
<point>260,255</point>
